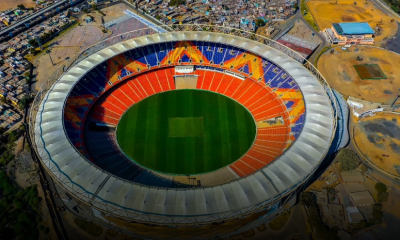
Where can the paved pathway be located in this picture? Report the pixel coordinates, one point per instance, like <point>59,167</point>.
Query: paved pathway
<point>385,8</point>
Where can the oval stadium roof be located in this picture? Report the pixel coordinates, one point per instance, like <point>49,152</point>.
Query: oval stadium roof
<point>133,201</point>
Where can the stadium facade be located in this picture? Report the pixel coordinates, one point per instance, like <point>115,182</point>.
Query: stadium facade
<point>74,116</point>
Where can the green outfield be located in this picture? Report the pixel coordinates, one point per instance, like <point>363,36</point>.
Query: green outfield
<point>186,132</point>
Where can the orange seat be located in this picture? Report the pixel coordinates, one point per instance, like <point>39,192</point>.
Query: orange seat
<point>163,78</point>
<point>233,86</point>
<point>224,84</point>
<point>257,164</point>
<point>130,92</point>
<point>145,85</point>
<point>241,168</point>
<point>134,84</point>
<point>216,81</point>
<point>153,79</point>
<point>207,77</point>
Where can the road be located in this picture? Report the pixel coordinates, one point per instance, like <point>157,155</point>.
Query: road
<point>32,17</point>
<point>385,8</point>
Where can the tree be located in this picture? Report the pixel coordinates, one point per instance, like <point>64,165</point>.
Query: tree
<point>331,190</point>
<point>383,196</point>
<point>34,52</point>
<point>378,207</point>
<point>6,158</point>
<point>25,101</point>
<point>33,42</point>
<point>3,100</point>
<point>176,2</point>
<point>21,6</point>
<point>307,198</point>
<point>363,168</point>
<point>380,187</point>
<point>377,214</point>
<point>260,22</point>
<point>295,6</point>
<point>348,159</point>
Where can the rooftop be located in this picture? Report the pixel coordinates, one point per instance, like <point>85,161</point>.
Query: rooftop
<point>362,198</point>
<point>352,28</point>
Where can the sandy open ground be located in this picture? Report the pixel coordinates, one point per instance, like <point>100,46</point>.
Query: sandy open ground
<point>338,69</point>
<point>7,4</point>
<point>301,30</point>
<point>327,12</point>
<point>378,138</point>
<point>65,47</point>
<point>114,12</point>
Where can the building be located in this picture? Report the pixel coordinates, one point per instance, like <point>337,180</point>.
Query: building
<point>207,204</point>
<point>269,30</point>
<point>349,33</point>
<point>362,198</point>
<point>352,177</point>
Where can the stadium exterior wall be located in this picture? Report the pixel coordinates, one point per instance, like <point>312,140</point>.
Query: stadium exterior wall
<point>181,31</point>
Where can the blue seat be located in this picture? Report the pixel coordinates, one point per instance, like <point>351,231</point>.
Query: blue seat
<point>207,49</point>
<point>246,69</point>
<point>137,55</point>
<point>162,50</point>
<point>149,55</point>
<point>231,53</point>
<point>219,54</point>
<point>269,74</point>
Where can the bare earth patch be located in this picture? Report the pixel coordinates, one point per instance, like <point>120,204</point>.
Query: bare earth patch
<point>7,4</point>
<point>378,138</point>
<point>338,69</point>
<point>327,12</point>
<point>74,41</point>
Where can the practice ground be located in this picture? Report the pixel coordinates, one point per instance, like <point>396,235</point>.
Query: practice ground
<point>186,132</point>
<point>80,37</point>
<point>301,30</point>
<point>7,4</point>
<point>64,47</point>
<point>378,138</point>
<point>338,69</point>
<point>327,12</point>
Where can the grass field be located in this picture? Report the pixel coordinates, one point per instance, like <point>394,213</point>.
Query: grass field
<point>186,127</point>
<point>369,71</point>
<point>186,132</point>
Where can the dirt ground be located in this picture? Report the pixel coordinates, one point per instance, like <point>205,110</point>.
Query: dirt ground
<point>25,174</point>
<point>65,47</point>
<point>378,138</point>
<point>80,37</point>
<point>393,44</point>
<point>320,183</point>
<point>7,4</point>
<point>327,12</point>
<point>338,70</point>
<point>301,30</point>
<point>114,12</point>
